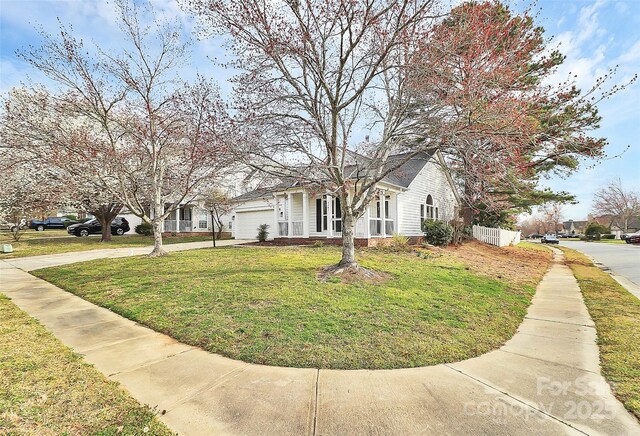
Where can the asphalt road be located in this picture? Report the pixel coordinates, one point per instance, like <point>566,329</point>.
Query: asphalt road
<point>622,259</point>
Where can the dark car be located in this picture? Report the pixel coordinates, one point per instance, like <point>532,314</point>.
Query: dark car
<point>633,238</point>
<point>53,222</point>
<point>119,226</point>
<point>549,239</point>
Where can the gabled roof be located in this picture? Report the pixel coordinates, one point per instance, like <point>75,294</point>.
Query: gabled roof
<point>401,176</point>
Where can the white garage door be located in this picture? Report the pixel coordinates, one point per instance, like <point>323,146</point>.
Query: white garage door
<point>247,223</point>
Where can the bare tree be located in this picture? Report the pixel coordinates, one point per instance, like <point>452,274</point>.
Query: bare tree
<point>418,80</point>
<point>551,215</point>
<point>618,203</point>
<point>218,204</point>
<point>150,139</point>
<point>310,74</point>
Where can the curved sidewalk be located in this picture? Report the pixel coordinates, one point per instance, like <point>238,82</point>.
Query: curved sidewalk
<point>545,380</point>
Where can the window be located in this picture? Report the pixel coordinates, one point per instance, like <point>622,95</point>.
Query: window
<point>428,211</point>
<point>202,223</point>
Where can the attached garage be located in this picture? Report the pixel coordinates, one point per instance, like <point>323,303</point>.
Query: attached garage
<point>247,222</point>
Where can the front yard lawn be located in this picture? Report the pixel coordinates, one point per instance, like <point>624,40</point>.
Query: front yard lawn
<point>35,246</point>
<point>616,313</point>
<point>46,389</point>
<point>265,304</point>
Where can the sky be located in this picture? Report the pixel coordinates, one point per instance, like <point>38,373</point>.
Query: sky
<point>594,35</point>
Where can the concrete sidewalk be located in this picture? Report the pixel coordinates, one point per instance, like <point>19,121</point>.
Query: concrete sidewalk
<point>47,260</point>
<point>545,380</point>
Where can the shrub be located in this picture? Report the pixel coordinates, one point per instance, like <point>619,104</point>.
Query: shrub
<point>608,236</point>
<point>144,229</point>
<point>262,232</point>
<point>595,231</point>
<point>318,244</point>
<point>399,242</point>
<point>71,217</point>
<point>437,232</point>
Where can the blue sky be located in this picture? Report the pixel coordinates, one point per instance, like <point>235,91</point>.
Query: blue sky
<point>595,36</point>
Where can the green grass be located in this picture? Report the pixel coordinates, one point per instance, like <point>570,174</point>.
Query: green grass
<point>616,313</point>
<point>35,246</point>
<point>611,241</point>
<point>601,241</point>
<point>46,389</point>
<point>265,305</point>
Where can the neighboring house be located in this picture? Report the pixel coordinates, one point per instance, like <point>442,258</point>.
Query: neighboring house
<point>616,226</point>
<point>575,227</point>
<point>420,189</point>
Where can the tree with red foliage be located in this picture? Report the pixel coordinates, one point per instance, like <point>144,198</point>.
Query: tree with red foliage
<point>483,75</point>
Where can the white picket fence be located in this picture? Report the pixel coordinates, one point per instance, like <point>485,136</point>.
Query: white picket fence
<point>499,237</point>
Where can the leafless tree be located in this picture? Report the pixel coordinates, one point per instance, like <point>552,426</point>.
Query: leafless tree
<point>149,139</point>
<point>618,203</point>
<point>218,204</point>
<point>551,215</point>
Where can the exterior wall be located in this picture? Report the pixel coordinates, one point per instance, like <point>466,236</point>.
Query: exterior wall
<point>431,180</point>
<point>261,204</point>
<point>296,203</point>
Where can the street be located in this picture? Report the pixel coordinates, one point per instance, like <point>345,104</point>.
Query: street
<point>623,260</point>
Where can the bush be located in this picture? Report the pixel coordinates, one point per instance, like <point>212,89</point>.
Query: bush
<point>318,244</point>
<point>144,229</point>
<point>437,232</point>
<point>594,231</point>
<point>608,236</point>
<point>399,242</point>
<point>262,232</point>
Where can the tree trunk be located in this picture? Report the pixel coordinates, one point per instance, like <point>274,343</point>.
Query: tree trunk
<point>106,230</point>
<point>105,215</point>
<point>348,240</point>
<point>157,239</point>
<point>213,230</point>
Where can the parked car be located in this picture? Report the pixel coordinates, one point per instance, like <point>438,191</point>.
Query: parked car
<point>633,238</point>
<point>119,226</point>
<point>12,227</point>
<point>535,236</point>
<point>549,239</point>
<point>53,222</point>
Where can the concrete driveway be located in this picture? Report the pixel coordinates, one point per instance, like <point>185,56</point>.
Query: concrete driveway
<point>622,259</point>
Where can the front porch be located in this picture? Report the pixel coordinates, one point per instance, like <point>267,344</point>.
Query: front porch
<point>301,215</point>
<point>188,218</point>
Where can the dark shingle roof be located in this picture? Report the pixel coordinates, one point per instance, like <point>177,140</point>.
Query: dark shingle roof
<point>401,176</point>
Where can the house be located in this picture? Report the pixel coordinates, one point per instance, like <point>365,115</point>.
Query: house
<point>419,189</point>
<point>617,226</point>
<point>575,227</point>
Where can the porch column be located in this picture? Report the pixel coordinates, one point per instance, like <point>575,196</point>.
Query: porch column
<point>289,214</point>
<point>367,222</point>
<point>383,231</point>
<point>329,216</point>
<point>276,217</point>
<point>396,225</point>
<point>305,214</point>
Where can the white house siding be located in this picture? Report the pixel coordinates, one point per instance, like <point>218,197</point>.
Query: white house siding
<point>431,180</point>
<point>249,215</point>
<point>296,206</point>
